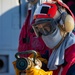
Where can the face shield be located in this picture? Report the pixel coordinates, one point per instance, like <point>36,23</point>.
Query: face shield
<point>44,27</point>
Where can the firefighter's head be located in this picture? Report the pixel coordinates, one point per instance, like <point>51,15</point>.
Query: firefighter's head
<point>53,20</point>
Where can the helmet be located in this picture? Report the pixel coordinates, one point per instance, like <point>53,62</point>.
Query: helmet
<point>49,10</point>
<point>45,10</point>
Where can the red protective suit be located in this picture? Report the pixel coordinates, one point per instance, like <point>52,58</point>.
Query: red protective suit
<point>28,40</point>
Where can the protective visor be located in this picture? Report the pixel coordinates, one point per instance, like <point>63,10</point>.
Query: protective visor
<point>44,27</point>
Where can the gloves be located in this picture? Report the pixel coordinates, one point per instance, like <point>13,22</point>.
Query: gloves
<point>35,71</point>
<point>38,56</point>
<point>43,60</point>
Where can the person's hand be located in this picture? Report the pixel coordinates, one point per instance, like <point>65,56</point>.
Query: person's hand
<point>32,1</point>
<point>36,71</point>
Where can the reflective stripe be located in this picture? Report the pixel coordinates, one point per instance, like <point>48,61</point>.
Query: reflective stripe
<point>60,71</point>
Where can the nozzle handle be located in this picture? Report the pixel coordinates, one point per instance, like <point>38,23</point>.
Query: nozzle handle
<point>26,52</point>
